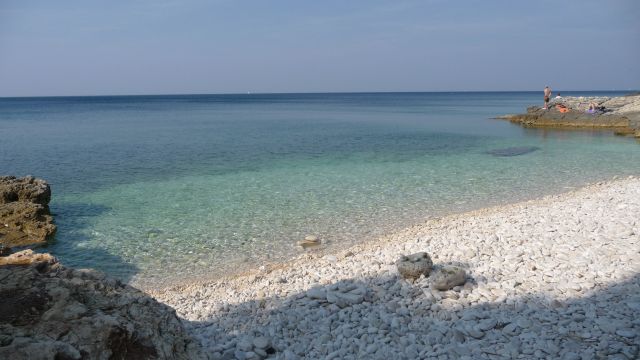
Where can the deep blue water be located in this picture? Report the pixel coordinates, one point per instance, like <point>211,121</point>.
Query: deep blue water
<point>193,185</point>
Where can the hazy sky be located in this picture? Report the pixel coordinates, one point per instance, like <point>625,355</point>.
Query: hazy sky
<point>233,46</point>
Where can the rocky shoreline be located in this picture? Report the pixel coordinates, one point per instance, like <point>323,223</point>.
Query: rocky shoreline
<point>621,114</point>
<point>25,219</point>
<point>557,277</point>
<point>48,311</point>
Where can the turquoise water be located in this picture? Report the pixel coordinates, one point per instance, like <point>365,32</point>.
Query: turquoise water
<point>159,188</point>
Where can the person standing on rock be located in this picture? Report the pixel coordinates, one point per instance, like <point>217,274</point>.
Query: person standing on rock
<point>547,96</point>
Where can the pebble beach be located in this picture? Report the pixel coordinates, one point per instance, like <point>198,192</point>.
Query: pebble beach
<point>555,277</point>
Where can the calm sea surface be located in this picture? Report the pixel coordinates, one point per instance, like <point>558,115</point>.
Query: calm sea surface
<point>159,188</point>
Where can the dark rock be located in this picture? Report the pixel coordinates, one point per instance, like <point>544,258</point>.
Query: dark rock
<point>448,277</point>
<point>24,211</point>
<point>24,223</point>
<point>28,189</point>
<point>4,250</point>
<point>513,151</point>
<point>48,311</point>
<point>619,113</point>
<point>414,265</point>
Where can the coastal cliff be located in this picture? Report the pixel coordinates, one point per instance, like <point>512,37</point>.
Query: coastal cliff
<point>622,114</point>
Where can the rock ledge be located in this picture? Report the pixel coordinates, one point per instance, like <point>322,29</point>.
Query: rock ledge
<point>48,311</point>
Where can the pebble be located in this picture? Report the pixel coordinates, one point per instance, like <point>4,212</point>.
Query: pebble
<point>478,334</point>
<point>551,278</point>
<point>261,342</point>
<point>628,333</point>
<point>487,324</point>
<point>511,329</point>
<point>524,323</point>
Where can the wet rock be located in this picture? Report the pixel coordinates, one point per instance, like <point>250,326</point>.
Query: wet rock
<point>448,277</point>
<point>309,241</point>
<point>414,265</point>
<point>56,312</point>
<point>5,250</point>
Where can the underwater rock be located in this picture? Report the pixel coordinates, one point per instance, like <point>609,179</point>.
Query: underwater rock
<point>309,241</point>
<point>513,151</point>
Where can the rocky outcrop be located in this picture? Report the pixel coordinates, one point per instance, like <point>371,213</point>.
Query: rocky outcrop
<point>48,311</point>
<point>24,211</point>
<point>619,113</point>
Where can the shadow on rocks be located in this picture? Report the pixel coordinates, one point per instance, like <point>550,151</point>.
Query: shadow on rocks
<point>389,318</point>
<point>49,311</point>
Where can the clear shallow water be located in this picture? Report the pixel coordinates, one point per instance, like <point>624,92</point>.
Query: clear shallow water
<point>166,187</point>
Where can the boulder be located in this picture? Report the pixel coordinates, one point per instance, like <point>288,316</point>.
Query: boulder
<point>48,311</point>
<point>414,265</point>
<point>24,211</point>
<point>447,277</point>
<point>25,223</point>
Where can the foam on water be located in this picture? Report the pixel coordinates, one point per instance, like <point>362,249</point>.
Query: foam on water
<point>165,189</point>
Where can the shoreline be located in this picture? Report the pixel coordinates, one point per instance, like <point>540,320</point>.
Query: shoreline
<point>619,114</point>
<point>394,235</point>
<point>548,258</point>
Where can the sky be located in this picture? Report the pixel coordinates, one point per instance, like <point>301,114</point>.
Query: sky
<point>119,47</point>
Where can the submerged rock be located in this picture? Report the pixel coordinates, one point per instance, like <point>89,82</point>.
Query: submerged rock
<point>309,241</point>
<point>513,151</point>
<point>24,211</point>
<point>48,311</point>
<point>414,265</point>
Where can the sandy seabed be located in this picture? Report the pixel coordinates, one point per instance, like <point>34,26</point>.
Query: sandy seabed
<point>556,277</point>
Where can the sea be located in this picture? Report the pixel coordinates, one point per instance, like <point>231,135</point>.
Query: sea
<point>159,190</point>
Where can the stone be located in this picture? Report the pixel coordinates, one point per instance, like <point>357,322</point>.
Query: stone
<point>261,342</point>
<point>52,311</point>
<point>511,329</point>
<point>447,277</point>
<point>524,323</point>
<point>24,212</point>
<point>414,265</point>
<point>475,333</point>
<point>317,293</point>
<point>309,241</point>
<point>26,189</point>
<point>628,333</point>
<point>513,151</point>
<point>487,324</point>
<point>344,299</point>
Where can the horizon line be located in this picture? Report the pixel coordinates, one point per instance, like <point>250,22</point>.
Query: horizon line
<point>309,93</point>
